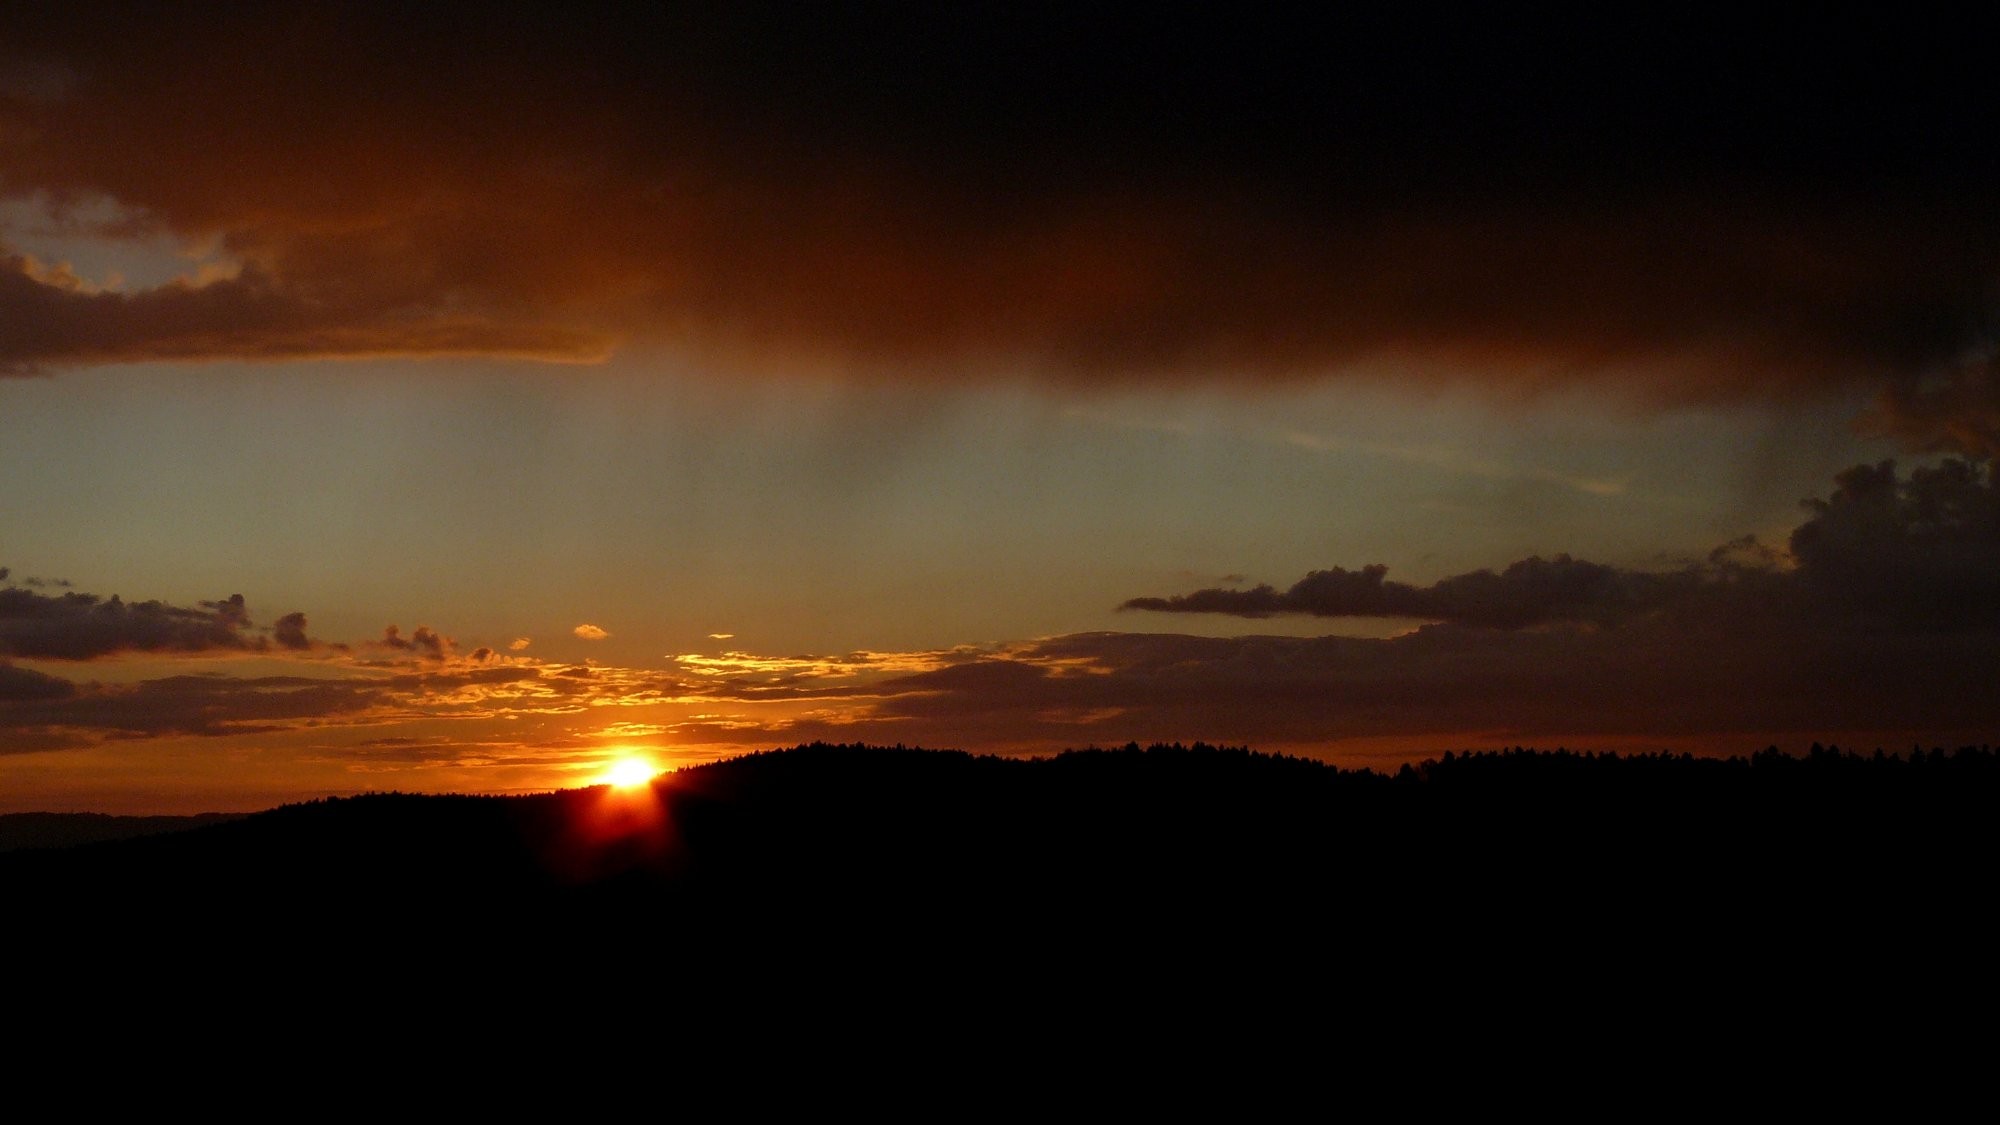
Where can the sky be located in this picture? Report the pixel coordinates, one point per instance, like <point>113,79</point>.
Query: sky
<point>465,399</point>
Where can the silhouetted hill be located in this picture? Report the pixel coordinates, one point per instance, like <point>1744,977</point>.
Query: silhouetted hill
<point>63,830</point>
<point>1217,878</point>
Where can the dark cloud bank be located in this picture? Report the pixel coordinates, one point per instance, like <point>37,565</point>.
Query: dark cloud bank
<point>40,711</point>
<point>1882,551</point>
<point>79,626</point>
<point>1706,212</point>
<point>1882,620</point>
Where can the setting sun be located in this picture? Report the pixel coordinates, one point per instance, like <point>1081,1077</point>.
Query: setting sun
<point>630,773</point>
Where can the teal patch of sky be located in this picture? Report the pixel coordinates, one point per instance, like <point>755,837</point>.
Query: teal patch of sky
<point>494,500</point>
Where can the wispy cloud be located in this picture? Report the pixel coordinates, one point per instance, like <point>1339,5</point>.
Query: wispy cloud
<point>1451,461</point>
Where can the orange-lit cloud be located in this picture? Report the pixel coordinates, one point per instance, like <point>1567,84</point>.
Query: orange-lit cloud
<point>251,316</point>
<point>40,711</point>
<point>1956,409</point>
<point>591,632</point>
<point>950,194</point>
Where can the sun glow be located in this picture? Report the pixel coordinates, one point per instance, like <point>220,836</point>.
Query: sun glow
<point>630,773</point>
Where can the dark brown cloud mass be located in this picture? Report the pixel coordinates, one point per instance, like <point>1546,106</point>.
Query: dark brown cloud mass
<point>425,642</point>
<point>1882,622</point>
<point>77,626</point>
<point>1677,682</point>
<point>1910,553</point>
<point>290,632</point>
<point>27,684</point>
<point>1705,211</point>
<point>61,714</point>
<point>1529,592</point>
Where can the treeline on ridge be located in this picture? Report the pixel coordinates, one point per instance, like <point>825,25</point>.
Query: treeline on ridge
<point>827,839</point>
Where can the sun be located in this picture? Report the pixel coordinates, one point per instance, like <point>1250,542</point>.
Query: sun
<point>630,773</point>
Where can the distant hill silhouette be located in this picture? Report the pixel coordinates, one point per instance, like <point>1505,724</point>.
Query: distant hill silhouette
<point>63,830</point>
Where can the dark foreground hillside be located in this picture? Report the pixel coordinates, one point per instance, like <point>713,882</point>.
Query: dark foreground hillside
<point>1112,839</point>
<point>1139,885</point>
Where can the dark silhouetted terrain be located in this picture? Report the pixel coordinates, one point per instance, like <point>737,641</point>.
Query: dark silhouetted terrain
<point>63,830</point>
<point>1199,836</point>
<point>1170,887</point>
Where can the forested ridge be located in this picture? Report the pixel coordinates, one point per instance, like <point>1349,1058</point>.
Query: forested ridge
<point>822,820</point>
<point>1159,891</point>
